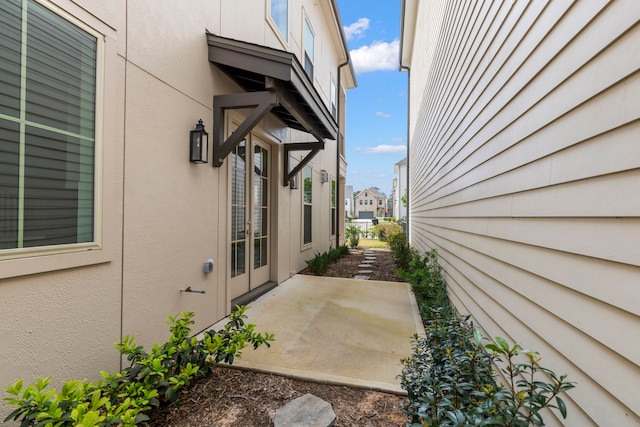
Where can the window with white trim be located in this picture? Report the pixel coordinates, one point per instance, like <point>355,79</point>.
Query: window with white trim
<point>307,207</point>
<point>48,89</point>
<point>334,100</point>
<point>333,207</point>
<point>280,16</point>
<point>308,49</point>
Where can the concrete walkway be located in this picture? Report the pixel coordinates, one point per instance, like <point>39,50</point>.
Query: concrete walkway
<point>334,330</point>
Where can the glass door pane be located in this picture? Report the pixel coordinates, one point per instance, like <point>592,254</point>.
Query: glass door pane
<point>238,209</point>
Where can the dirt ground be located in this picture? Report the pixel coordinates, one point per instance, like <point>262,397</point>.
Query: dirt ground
<point>237,397</point>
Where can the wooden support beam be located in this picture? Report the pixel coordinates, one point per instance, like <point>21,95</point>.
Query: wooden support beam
<point>262,102</point>
<point>300,146</point>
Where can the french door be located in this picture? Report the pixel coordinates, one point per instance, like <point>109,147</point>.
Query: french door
<point>249,238</point>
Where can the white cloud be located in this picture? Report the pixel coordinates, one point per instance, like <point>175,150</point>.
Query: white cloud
<point>356,29</point>
<point>376,57</point>
<point>383,115</point>
<point>383,149</point>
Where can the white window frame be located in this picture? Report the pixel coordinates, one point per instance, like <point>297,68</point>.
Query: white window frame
<point>23,261</point>
<point>306,24</point>
<point>333,206</point>
<point>333,94</point>
<point>306,245</point>
<point>284,37</point>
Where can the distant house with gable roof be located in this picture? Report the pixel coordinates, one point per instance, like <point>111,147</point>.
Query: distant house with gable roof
<point>370,203</point>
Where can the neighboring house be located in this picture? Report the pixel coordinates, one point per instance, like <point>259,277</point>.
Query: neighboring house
<point>400,189</point>
<point>348,200</point>
<point>370,203</point>
<point>104,219</point>
<point>524,165</point>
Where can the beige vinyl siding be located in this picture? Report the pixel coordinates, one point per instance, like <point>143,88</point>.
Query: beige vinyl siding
<point>525,175</point>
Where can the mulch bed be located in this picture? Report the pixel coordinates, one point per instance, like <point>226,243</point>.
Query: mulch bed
<point>238,397</point>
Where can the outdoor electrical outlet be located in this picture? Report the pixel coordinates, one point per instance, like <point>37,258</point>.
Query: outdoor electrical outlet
<point>208,266</point>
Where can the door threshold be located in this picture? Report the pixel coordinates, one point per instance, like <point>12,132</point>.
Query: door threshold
<point>252,295</point>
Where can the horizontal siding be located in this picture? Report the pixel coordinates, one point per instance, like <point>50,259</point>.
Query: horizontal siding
<point>524,173</point>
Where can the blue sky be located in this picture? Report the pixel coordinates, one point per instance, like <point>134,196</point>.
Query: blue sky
<point>376,109</point>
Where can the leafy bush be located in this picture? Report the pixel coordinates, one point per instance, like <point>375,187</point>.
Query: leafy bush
<point>450,382</point>
<point>320,263</point>
<point>401,250</point>
<point>353,235</point>
<point>428,284</point>
<point>152,379</point>
<point>449,378</point>
<point>386,229</point>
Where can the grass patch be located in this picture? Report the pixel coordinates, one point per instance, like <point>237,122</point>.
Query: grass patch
<point>372,243</point>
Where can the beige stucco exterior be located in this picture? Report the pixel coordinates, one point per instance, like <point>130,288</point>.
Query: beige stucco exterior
<point>524,169</point>
<point>161,216</point>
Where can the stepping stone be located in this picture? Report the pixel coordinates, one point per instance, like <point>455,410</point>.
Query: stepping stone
<point>361,277</point>
<point>307,410</point>
<point>370,258</point>
<point>369,253</point>
<point>364,265</point>
<point>365,271</point>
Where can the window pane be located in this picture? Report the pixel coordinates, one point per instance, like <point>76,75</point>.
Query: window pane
<point>308,50</point>
<point>9,181</point>
<point>10,41</point>
<point>279,14</point>
<point>307,224</point>
<point>61,73</point>
<point>58,189</point>
<point>308,184</point>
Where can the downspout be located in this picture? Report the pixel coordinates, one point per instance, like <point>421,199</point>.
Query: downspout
<point>408,70</point>
<point>339,205</point>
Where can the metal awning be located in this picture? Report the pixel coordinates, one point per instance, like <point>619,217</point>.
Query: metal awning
<point>274,81</point>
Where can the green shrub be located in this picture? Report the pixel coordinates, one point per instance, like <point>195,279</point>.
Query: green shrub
<point>401,250</point>
<point>320,263</point>
<point>449,378</point>
<point>384,230</point>
<point>152,379</point>
<point>353,235</point>
<point>450,382</point>
<point>428,284</point>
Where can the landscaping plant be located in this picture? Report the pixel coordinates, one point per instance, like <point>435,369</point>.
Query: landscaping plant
<point>152,379</point>
<point>449,377</point>
<point>450,381</point>
<point>320,263</point>
<point>352,234</point>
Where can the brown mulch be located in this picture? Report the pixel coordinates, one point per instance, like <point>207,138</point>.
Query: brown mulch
<point>238,397</point>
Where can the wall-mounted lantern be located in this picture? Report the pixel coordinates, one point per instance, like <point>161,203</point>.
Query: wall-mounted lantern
<point>198,144</point>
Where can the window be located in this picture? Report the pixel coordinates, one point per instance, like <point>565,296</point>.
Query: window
<point>360,201</point>
<point>280,16</point>
<point>333,207</point>
<point>306,204</point>
<point>371,202</point>
<point>49,83</point>
<point>334,100</point>
<point>379,202</point>
<point>308,49</point>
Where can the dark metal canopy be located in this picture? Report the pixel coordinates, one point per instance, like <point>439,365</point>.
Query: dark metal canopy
<point>274,81</point>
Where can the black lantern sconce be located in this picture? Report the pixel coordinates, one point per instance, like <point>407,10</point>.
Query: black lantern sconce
<point>198,144</point>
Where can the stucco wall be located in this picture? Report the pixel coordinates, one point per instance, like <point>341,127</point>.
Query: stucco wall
<point>162,216</point>
<point>525,169</point>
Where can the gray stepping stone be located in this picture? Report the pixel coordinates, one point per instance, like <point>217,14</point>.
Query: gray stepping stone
<point>308,411</point>
<point>365,271</point>
<point>361,277</point>
<point>364,265</point>
<point>369,253</point>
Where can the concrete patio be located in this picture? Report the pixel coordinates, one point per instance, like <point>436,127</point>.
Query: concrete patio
<point>334,330</point>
